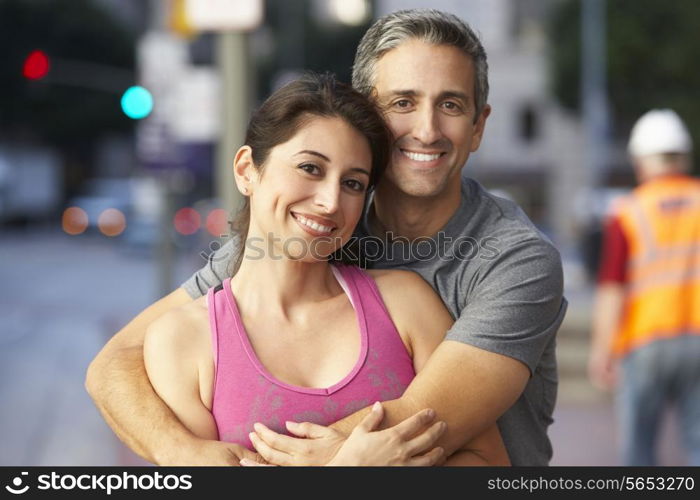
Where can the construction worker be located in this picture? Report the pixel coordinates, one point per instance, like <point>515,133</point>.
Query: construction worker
<point>646,323</point>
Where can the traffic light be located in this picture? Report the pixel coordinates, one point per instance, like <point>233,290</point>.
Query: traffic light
<point>36,65</point>
<point>137,102</point>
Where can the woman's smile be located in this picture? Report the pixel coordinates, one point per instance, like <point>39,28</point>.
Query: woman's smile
<point>314,225</point>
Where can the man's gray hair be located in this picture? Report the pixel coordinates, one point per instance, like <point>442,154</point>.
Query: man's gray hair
<point>429,25</point>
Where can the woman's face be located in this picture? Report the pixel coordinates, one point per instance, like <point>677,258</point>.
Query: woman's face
<point>309,198</point>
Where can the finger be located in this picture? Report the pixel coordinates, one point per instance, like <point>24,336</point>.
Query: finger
<point>427,460</point>
<point>373,418</point>
<point>250,456</point>
<point>270,455</point>
<point>410,427</point>
<point>277,441</point>
<point>246,462</point>
<point>308,430</point>
<point>426,440</point>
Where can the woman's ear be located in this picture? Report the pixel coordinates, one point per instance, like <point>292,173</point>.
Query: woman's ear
<point>244,171</point>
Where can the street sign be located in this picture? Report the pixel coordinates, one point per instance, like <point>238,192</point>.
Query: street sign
<point>196,111</point>
<point>224,15</point>
<point>162,61</point>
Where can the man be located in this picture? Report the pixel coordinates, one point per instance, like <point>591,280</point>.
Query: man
<point>500,279</point>
<point>647,308</point>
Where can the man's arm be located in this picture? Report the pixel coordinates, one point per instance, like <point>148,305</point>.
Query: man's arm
<point>118,384</point>
<point>418,310</point>
<point>487,449</point>
<point>608,308</point>
<point>607,315</point>
<point>495,383</point>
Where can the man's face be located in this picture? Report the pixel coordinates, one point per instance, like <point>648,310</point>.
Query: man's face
<point>427,95</point>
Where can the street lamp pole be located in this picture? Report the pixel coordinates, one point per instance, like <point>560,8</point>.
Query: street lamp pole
<point>232,55</point>
<point>594,101</point>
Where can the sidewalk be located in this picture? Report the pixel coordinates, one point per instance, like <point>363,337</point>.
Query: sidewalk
<point>62,297</point>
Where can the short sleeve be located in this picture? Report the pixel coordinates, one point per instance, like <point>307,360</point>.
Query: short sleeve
<point>214,271</point>
<point>613,256</point>
<point>516,305</point>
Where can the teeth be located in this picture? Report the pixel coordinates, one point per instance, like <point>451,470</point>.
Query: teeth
<point>313,225</point>
<point>421,156</point>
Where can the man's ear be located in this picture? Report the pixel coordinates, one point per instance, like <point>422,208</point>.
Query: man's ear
<point>479,127</point>
<point>244,171</point>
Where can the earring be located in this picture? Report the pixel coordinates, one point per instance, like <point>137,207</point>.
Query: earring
<point>245,190</point>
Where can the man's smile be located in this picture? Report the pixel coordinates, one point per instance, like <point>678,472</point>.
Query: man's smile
<point>425,157</point>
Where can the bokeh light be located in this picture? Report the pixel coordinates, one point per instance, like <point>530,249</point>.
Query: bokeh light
<point>74,220</point>
<point>350,12</point>
<point>187,221</point>
<point>137,102</point>
<point>217,222</point>
<point>36,65</point>
<point>111,222</point>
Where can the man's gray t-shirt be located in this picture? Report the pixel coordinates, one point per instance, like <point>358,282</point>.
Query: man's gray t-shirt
<point>502,282</point>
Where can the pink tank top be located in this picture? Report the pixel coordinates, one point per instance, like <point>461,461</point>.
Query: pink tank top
<point>245,392</point>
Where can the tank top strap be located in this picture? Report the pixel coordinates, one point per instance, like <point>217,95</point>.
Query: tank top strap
<point>366,288</point>
<point>220,321</point>
<point>344,275</point>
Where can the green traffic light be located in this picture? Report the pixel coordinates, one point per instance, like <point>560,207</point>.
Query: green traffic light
<point>137,102</point>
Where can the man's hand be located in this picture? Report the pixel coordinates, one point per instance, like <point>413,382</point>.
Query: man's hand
<point>216,453</point>
<point>602,370</point>
<point>398,445</point>
<point>608,310</point>
<point>210,453</point>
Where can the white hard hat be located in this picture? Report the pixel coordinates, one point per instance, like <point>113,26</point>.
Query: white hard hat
<point>659,131</point>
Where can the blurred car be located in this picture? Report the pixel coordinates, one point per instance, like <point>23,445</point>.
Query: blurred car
<point>30,183</point>
<point>103,194</point>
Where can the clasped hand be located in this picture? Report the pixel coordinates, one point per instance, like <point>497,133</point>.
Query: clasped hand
<point>315,445</point>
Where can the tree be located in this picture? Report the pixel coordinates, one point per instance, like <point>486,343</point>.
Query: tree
<point>305,43</point>
<point>652,53</point>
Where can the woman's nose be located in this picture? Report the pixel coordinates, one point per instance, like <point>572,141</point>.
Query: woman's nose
<point>328,196</point>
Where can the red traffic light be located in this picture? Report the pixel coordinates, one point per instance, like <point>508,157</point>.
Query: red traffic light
<point>36,66</point>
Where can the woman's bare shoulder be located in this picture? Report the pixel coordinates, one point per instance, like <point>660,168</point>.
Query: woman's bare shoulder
<point>408,297</point>
<point>406,284</point>
<point>417,311</point>
<point>186,325</point>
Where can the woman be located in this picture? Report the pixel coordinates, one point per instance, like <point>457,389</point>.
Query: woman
<point>294,336</point>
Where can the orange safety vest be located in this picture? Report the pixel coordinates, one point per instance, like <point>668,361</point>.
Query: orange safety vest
<point>661,223</point>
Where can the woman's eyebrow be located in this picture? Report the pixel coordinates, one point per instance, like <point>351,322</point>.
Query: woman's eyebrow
<point>360,171</point>
<point>321,155</point>
<point>312,152</point>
